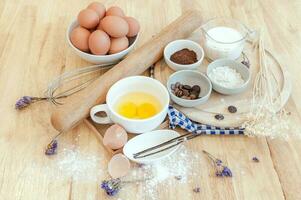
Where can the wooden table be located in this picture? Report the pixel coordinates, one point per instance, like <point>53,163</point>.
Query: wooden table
<point>34,50</point>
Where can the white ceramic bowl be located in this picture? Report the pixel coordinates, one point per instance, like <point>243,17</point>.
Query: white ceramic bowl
<point>239,67</point>
<point>178,45</point>
<point>190,77</point>
<point>147,140</point>
<point>100,59</point>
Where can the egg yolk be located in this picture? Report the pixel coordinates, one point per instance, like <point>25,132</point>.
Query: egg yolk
<point>146,110</point>
<point>128,109</point>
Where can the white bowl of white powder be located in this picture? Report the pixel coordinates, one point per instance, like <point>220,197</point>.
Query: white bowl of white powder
<point>228,76</point>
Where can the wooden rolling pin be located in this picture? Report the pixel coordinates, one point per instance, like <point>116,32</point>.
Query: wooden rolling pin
<point>70,114</point>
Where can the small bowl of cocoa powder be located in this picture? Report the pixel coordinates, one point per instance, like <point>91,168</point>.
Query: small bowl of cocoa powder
<point>183,55</point>
<point>189,88</point>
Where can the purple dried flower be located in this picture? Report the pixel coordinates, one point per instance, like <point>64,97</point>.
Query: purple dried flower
<point>197,189</point>
<point>225,172</point>
<point>255,159</point>
<point>23,102</point>
<point>221,170</point>
<point>218,162</point>
<point>112,186</point>
<point>51,148</point>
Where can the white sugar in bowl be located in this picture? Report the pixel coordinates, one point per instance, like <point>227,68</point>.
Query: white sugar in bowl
<point>224,38</point>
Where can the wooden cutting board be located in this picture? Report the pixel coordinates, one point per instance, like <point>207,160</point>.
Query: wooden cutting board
<point>218,103</point>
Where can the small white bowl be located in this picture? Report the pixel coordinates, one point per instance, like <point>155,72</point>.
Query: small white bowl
<point>100,59</point>
<point>239,67</point>
<point>178,45</point>
<point>147,140</point>
<point>190,77</point>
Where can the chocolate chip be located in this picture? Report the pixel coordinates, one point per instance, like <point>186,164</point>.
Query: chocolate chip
<point>232,109</point>
<point>179,93</point>
<point>185,92</point>
<point>186,97</point>
<point>186,87</point>
<point>196,93</point>
<point>193,96</point>
<point>196,88</point>
<point>219,117</point>
<point>197,189</point>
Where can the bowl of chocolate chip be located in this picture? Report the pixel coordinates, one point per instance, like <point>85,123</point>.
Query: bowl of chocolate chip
<point>183,55</point>
<point>189,88</point>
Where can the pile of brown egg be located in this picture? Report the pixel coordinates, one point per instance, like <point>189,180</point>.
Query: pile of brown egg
<point>102,31</point>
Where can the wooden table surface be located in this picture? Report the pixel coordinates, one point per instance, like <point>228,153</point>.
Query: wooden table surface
<point>33,51</point>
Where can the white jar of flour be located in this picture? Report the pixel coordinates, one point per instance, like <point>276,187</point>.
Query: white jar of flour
<point>224,38</point>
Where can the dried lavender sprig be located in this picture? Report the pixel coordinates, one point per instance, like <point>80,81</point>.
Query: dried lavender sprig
<point>113,186</point>
<point>255,159</point>
<point>221,170</point>
<point>51,148</point>
<point>25,101</point>
<point>214,159</point>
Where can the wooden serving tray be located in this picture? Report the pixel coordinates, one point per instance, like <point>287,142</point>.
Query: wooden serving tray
<point>218,103</point>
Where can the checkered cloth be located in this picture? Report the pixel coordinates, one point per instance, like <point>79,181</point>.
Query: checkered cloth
<point>177,118</point>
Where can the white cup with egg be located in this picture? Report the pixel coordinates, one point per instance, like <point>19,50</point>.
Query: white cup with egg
<point>133,84</point>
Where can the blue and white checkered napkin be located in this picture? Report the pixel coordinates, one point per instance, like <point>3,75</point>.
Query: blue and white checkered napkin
<point>177,118</point>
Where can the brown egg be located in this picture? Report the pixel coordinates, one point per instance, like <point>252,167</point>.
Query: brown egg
<point>118,44</point>
<point>99,42</point>
<point>119,166</point>
<point>115,26</point>
<point>116,11</point>
<point>80,38</point>
<point>115,137</point>
<point>134,26</point>
<point>99,8</point>
<point>99,27</point>
<point>88,18</point>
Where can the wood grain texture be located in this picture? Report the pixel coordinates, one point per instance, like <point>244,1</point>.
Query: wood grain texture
<point>33,51</point>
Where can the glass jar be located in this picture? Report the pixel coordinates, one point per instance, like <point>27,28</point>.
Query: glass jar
<point>224,38</point>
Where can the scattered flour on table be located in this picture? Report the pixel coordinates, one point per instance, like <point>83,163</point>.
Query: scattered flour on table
<point>68,162</point>
<point>175,169</point>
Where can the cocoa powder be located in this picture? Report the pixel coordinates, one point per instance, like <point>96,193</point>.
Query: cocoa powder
<point>184,57</point>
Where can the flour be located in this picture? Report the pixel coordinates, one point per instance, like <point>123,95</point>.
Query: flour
<point>175,169</point>
<point>69,162</point>
<point>226,76</point>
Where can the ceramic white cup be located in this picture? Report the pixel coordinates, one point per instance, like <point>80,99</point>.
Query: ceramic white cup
<point>124,86</point>
<point>178,45</point>
<point>100,59</point>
